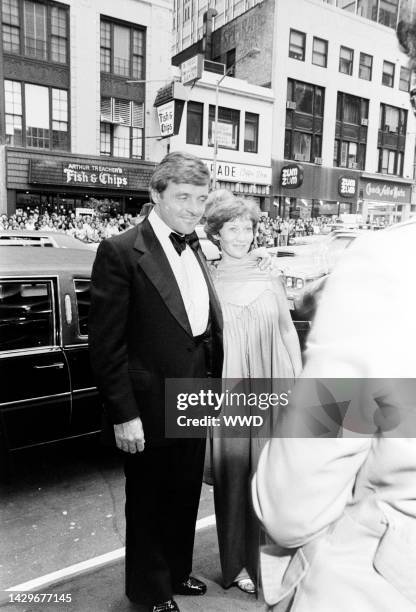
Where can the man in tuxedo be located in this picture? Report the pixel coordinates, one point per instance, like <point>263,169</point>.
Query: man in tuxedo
<point>154,315</point>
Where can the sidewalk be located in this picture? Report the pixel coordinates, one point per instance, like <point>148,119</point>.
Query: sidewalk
<point>103,589</point>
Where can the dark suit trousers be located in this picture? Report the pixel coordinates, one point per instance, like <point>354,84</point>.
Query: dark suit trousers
<point>163,487</point>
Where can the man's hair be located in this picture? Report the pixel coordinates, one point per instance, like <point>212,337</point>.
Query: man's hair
<point>223,206</point>
<point>179,167</point>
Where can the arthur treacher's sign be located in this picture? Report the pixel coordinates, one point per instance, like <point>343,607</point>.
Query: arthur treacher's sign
<point>95,175</point>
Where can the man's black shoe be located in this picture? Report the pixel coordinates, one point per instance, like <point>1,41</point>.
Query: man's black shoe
<point>166,606</point>
<point>192,586</point>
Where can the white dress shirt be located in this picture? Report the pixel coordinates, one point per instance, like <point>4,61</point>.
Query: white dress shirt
<point>188,275</point>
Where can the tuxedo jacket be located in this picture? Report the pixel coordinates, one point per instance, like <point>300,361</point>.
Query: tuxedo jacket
<point>139,332</point>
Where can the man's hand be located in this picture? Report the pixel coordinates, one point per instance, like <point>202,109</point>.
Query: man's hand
<point>130,436</point>
<point>265,260</point>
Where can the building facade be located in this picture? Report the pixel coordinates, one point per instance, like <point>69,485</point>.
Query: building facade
<point>77,82</point>
<point>188,18</point>
<point>244,139</point>
<point>343,131</point>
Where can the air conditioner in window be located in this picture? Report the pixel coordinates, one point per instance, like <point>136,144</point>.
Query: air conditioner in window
<point>353,165</point>
<point>300,157</point>
<point>291,105</point>
<point>318,160</point>
<point>364,121</point>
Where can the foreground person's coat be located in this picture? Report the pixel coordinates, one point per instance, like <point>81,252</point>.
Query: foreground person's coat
<point>346,508</point>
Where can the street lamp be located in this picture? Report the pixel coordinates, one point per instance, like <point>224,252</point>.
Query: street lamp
<point>250,53</point>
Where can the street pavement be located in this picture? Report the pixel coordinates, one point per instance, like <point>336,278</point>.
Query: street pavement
<point>65,506</point>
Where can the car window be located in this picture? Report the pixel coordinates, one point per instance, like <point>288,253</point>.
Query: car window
<point>82,291</point>
<point>26,315</point>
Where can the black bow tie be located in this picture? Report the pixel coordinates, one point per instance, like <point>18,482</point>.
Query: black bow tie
<point>180,242</point>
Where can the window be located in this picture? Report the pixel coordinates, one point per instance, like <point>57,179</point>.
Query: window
<point>251,132</point>
<point>58,35</point>
<point>11,29</point>
<point>45,35</point>
<point>388,13</point>
<point>391,139</point>
<point>228,128</point>
<point>13,112</point>
<point>194,123</point>
<point>35,30</point>
<point>45,121</point>
<point>26,315</point>
<point>393,119</point>
<point>121,128</point>
<point>388,74</point>
<point>59,119</point>
<point>390,161</point>
<point>346,60</point>
<point>320,52</point>
<point>351,131</point>
<point>82,292</point>
<point>404,83</point>
<point>304,121</point>
<point>297,42</point>
<point>230,62</point>
<point>366,67</point>
<point>122,50</point>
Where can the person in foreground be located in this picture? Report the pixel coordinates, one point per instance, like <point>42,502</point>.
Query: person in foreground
<point>260,342</point>
<point>154,315</point>
<point>345,507</point>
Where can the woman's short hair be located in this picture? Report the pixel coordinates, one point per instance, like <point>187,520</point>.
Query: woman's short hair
<point>223,206</point>
<point>179,167</point>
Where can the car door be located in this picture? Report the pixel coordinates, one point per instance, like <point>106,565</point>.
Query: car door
<point>86,413</point>
<point>35,399</point>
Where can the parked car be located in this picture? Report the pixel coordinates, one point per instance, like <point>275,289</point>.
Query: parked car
<point>312,261</point>
<point>47,392</point>
<point>44,239</point>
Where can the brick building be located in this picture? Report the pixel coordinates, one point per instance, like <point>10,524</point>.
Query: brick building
<point>342,127</point>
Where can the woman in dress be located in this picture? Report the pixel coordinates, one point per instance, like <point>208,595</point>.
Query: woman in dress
<point>260,342</point>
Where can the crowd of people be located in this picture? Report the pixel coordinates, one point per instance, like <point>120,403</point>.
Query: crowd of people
<point>278,231</point>
<point>88,228</point>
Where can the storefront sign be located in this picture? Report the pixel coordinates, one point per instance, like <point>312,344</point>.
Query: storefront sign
<point>386,192</point>
<point>192,69</point>
<point>347,186</point>
<point>166,116</point>
<point>94,175</point>
<point>241,173</point>
<point>291,176</point>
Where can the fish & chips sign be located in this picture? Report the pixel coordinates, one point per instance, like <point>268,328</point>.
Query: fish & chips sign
<point>90,175</point>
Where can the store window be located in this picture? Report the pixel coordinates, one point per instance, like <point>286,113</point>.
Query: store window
<point>304,121</point>
<point>251,132</point>
<point>297,43</point>
<point>194,123</point>
<point>44,30</point>
<point>44,124</point>
<point>228,128</point>
<point>366,66</point>
<point>121,128</point>
<point>320,52</point>
<point>122,50</point>
<point>387,78</point>
<point>346,60</point>
<point>404,83</point>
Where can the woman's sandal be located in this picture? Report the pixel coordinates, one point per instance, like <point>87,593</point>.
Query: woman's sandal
<point>246,585</point>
